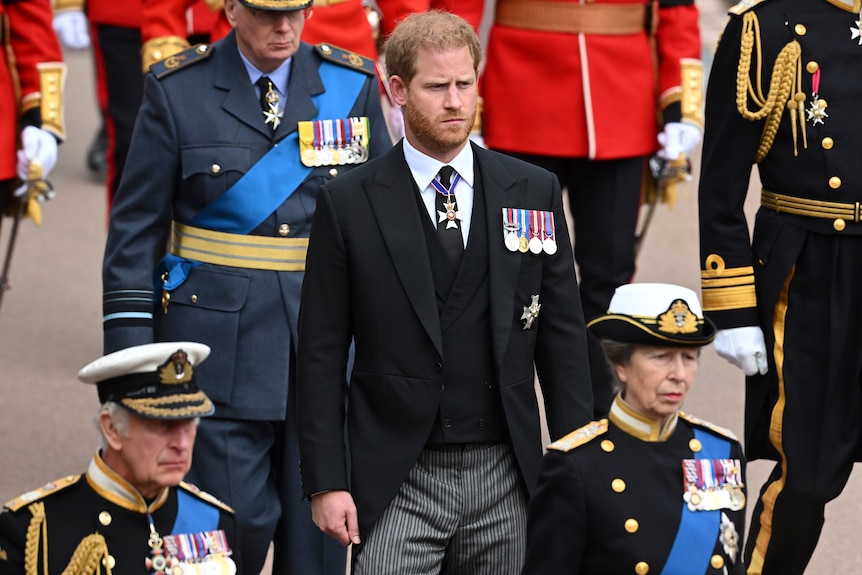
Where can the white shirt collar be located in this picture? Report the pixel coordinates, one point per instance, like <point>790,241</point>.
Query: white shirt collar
<point>425,168</point>
<point>280,76</point>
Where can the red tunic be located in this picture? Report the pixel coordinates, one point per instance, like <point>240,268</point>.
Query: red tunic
<point>31,41</point>
<point>584,95</point>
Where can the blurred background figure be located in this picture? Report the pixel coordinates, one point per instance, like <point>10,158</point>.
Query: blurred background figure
<point>610,84</point>
<point>649,489</point>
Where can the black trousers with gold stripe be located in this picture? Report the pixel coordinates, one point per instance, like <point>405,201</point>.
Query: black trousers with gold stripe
<point>806,412</point>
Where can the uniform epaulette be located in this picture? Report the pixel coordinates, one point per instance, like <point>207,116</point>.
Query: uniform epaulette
<point>580,436</point>
<point>345,58</point>
<point>42,492</point>
<point>743,6</point>
<point>181,60</point>
<point>203,495</point>
<point>723,431</point>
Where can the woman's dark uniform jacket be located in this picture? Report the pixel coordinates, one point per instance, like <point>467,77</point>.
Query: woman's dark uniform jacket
<point>64,519</point>
<point>609,501</point>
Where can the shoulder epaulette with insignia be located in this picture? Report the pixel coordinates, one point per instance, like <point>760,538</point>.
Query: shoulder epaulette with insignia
<point>203,495</point>
<point>181,60</point>
<point>723,431</point>
<point>346,58</point>
<point>41,492</point>
<point>744,6</point>
<point>580,436</point>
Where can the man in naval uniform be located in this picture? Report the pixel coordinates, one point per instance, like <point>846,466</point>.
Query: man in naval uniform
<point>231,145</point>
<point>784,93</point>
<point>130,512</point>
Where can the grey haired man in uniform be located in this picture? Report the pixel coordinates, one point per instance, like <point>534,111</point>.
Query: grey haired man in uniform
<point>207,242</point>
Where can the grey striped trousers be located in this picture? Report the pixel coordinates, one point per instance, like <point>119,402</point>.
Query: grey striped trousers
<point>461,511</point>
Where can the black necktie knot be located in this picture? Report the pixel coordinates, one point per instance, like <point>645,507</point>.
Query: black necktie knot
<point>446,176</point>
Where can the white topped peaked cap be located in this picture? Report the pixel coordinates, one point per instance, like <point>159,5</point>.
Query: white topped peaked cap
<point>655,314</point>
<point>154,380</point>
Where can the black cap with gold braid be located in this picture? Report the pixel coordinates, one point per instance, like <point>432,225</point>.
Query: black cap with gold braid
<point>155,380</point>
<point>277,5</point>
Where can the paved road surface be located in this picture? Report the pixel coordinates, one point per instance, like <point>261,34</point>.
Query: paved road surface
<point>50,326</point>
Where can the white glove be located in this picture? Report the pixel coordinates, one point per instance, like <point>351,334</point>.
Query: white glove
<point>71,29</point>
<point>36,145</point>
<point>743,347</point>
<point>678,138</point>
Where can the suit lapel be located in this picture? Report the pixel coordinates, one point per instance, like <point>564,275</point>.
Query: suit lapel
<point>391,196</point>
<point>502,189</point>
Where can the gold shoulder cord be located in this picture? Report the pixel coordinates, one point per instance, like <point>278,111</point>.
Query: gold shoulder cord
<point>31,548</point>
<point>786,75</point>
<point>86,560</point>
<point>89,556</point>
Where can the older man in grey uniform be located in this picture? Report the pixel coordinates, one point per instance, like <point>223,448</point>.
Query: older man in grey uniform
<point>231,145</point>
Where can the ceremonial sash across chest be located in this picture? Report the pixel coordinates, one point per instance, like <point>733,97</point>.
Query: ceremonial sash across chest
<point>695,538</point>
<point>269,182</point>
<point>279,173</point>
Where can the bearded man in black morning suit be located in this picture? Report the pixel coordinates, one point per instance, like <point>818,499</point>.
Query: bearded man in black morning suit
<point>442,418</point>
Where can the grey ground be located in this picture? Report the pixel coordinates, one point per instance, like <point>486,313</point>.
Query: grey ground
<point>50,324</point>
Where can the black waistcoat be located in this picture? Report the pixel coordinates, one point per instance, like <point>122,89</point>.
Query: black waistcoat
<point>470,409</point>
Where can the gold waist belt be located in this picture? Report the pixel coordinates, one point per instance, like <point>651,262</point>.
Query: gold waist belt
<point>568,18</point>
<point>838,211</point>
<point>238,250</point>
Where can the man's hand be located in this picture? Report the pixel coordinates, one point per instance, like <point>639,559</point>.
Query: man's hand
<point>678,138</point>
<point>71,29</point>
<point>744,347</point>
<point>334,513</point>
<point>37,145</point>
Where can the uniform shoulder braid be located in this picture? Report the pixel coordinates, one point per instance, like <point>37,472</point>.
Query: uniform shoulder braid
<point>580,436</point>
<point>181,60</point>
<point>345,58</point>
<point>204,496</point>
<point>49,488</point>
<point>744,6</point>
<point>717,430</point>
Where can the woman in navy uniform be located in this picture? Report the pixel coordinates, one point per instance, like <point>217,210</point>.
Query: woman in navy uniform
<point>131,512</point>
<point>649,489</point>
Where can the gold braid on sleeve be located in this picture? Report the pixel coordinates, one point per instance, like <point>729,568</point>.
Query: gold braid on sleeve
<point>786,75</point>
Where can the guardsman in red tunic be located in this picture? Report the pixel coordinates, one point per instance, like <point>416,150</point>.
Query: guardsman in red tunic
<point>32,73</point>
<point>611,82</point>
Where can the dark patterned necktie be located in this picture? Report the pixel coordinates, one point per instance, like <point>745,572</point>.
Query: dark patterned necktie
<point>269,102</point>
<point>448,219</point>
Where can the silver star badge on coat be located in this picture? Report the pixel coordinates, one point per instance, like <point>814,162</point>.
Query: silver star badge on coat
<point>531,312</point>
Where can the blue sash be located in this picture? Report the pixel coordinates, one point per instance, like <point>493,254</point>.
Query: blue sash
<point>695,538</point>
<point>194,515</point>
<point>279,173</point>
<point>270,181</point>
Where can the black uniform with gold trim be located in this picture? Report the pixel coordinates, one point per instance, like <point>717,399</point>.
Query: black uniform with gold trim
<point>784,93</point>
<point>82,524</point>
<point>610,500</point>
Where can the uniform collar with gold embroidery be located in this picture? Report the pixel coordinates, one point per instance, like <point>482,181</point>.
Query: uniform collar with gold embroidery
<point>639,425</point>
<point>117,490</point>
